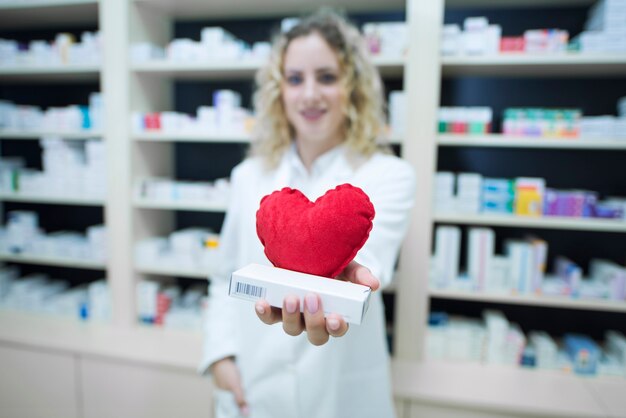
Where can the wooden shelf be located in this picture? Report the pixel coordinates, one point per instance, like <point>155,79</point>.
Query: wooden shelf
<point>36,135</point>
<point>173,272</point>
<point>204,138</point>
<point>546,222</point>
<point>507,141</point>
<point>140,344</point>
<point>53,261</point>
<point>53,73</point>
<point>250,8</point>
<point>504,391</point>
<point>505,4</point>
<point>527,65</point>
<point>142,203</point>
<point>189,137</point>
<point>55,200</point>
<point>245,68</point>
<point>21,14</point>
<point>531,300</point>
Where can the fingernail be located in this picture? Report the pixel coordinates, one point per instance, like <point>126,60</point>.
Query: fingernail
<point>245,411</point>
<point>260,309</point>
<point>290,305</point>
<point>311,303</point>
<point>333,324</point>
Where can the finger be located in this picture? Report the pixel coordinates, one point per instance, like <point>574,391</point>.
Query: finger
<point>266,313</point>
<point>292,320</point>
<point>359,274</point>
<point>336,325</point>
<point>240,399</point>
<point>314,319</point>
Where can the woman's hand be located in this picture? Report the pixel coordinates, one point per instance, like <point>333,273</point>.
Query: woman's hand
<point>318,328</point>
<point>226,376</point>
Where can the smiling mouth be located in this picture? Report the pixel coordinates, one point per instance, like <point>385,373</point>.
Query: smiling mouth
<point>312,115</point>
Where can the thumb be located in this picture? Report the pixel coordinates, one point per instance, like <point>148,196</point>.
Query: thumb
<point>359,274</point>
<point>240,399</point>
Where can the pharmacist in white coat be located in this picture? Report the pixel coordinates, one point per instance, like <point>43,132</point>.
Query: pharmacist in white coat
<point>319,106</point>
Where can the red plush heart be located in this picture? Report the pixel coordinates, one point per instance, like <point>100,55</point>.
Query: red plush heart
<point>319,237</point>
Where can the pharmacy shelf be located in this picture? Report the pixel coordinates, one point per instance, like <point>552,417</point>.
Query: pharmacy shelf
<point>27,198</point>
<point>518,390</point>
<point>521,65</point>
<point>143,203</point>
<point>173,272</point>
<point>504,391</point>
<point>250,8</point>
<point>68,73</point>
<point>189,137</point>
<point>22,14</point>
<point>552,222</point>
<point>53,261</point>
<point>200,137</point>
<point>194,71</point>
<point>35,135</point>
<point>531,300</point>
<point>509,141</point>
<point>504,4</point>
<point>610,393</point>
<point>140,344</point>
<point>236,69</point>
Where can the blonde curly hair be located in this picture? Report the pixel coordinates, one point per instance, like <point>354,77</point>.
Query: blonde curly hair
<point>364,112</point>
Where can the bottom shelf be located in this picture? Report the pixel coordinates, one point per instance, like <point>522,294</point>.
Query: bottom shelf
<point>142,344</point>
<point>464,388</point>
<point>508,391</point>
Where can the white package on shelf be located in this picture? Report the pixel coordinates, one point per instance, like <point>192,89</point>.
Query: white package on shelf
<point>99,297</point>
<point>465,340</point>
<point>481,247</point>
<point>8,275</point>
<point>497,328</point>
<point>70,302</point>
<point>397,112</point>
<point>546,350</point>
<point>150,250</point>
<point>612,275</point>
<point>451,40</point>
<point>521,265</point>
<point>445,200</point>
<point>499,278</point>
<point>147,300</point>
<point>146,51</point>
<point>447,253</point>
<point>469,191</point>
<point>185,246</point>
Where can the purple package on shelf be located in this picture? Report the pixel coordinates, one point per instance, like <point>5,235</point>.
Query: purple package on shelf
<point>562,203</point>
<point>569,203</point>
<point>607,211</point>
<point>550,207</point>
<point>589,205</point>
<point>577,204</point>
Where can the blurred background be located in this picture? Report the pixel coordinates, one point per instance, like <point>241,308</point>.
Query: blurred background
<point>121,120</point>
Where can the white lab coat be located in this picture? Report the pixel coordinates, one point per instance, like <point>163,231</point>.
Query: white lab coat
<point>285,376</point>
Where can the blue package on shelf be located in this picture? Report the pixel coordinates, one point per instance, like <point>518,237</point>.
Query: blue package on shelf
<point>437,319</point>
<point>584,353</point>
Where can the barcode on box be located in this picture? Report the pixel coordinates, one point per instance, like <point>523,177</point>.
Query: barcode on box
<point>250,290</point>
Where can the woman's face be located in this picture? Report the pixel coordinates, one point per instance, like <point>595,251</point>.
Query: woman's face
<point>312,92</point>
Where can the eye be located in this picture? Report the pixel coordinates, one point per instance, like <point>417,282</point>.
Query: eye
<point>293,79</point>
<point>327,78</point>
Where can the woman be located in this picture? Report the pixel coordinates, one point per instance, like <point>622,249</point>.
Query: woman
<point>319,105</point>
